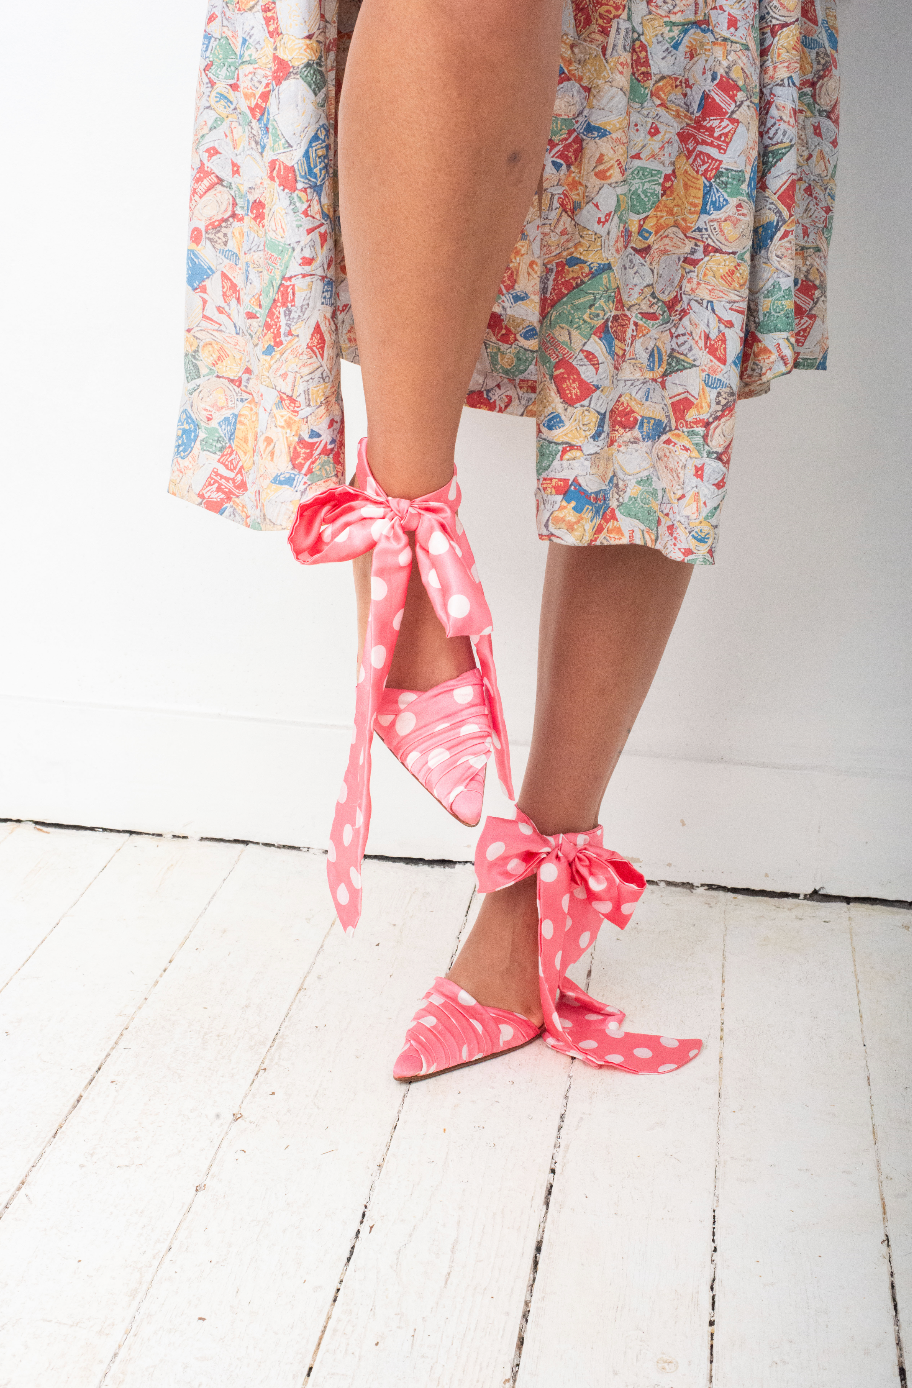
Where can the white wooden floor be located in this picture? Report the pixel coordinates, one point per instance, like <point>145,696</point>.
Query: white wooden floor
<point>209,1178</point>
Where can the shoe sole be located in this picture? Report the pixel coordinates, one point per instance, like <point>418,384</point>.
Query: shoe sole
<point>464,1065</point>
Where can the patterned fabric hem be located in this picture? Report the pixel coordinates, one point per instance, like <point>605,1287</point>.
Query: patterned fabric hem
<point>673,261</point>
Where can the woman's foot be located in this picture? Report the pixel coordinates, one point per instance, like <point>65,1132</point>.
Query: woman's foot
<point>498,964</point>
<point>443,737</point>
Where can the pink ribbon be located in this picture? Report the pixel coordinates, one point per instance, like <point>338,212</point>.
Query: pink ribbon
<point>340,523</point>
<point>580,884</point>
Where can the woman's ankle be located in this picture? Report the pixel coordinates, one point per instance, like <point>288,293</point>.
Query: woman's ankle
<point>409,469</point>
<point>425,656</point>
<point>498,963</point>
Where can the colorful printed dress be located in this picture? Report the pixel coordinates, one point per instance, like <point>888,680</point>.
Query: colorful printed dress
<point>673,261</point>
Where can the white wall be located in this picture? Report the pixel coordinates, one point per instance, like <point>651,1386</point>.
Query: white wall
<point>167,671</point>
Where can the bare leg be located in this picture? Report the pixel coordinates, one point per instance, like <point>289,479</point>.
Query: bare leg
<point>607,614</point>
<point>437,170</point>
<point>436,177</point>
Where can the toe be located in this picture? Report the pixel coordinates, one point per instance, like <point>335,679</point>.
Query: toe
<point>467,804</point>
<point>408,1066</point>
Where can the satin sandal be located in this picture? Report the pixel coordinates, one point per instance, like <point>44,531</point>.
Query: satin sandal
<point>442,748</point>
<point>443,737</point>
<point>450,1030</point>
<point>580,884</point>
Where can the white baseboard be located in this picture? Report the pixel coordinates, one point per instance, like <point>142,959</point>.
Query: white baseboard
<point>237,777</point>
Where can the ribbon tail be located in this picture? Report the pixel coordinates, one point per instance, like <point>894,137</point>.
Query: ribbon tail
<point>551,929</point>
<point>465,615</point>
<point>485,652</point>
<point>564,1003</point>
<point>351,822</point>
<point>574,996</point>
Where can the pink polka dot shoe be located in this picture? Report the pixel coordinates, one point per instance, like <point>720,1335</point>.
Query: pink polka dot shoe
<point>443,735</point>
<point>450,1029</point>
<point>580,884</point>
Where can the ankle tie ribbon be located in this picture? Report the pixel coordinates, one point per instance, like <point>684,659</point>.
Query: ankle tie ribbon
<point>580,884</point>
<point>341,523</point>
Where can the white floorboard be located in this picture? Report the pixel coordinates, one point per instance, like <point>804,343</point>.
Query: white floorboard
<point>345,1231</point>
<point>42,873</point>
<point>883,961</point>
<point>243,1296</point>
<point>622,1296</point>
<point>802,1288</point>
<point>434,1293</point>
<point>77,1255</point>
<point>65,1008</point>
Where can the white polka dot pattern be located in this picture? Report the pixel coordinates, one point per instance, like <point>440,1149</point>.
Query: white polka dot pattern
<point>571,869</point>
<point>451,1028</point>
<point>415,738</point>
<point>340,523</point>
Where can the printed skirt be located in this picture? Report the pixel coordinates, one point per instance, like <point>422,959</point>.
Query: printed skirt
<point>673,260</point>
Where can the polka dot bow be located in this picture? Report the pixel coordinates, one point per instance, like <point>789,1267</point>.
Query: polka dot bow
<point>340,523</point>
<point>580,884</point>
